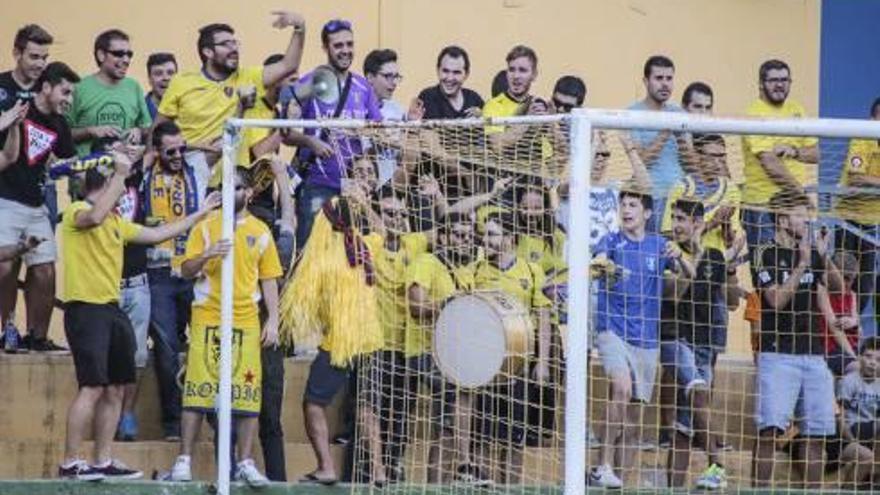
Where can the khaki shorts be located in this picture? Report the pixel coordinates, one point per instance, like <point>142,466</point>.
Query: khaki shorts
<point>17,220</point>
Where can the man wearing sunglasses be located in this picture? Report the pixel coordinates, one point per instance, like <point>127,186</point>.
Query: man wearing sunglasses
<point>169,193</point>
<point>569,93</point>
<point>108,103</point>
<point>200,101</point>
<point>327,154</point>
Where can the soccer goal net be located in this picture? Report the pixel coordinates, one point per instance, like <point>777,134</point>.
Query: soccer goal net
<point>609,299</point>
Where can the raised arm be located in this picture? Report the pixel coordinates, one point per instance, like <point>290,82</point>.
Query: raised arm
<point>155,235</point>
<point>274,73</point>
<point>10,121</point>
<point>106,201</point>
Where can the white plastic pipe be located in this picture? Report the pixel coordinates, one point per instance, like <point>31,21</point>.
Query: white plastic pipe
<point>224,393</point>
<point>576,368</point>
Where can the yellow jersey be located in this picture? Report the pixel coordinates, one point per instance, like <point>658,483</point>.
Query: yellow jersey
<point>537,250</point>
<point>725,194</point>
<point>863,158</point>
<point>200,106</point>
<point>256,259</point>
<point>758,187</point>
<point>522,280</point>
<point>441,282</point>
<point>250,136</point>
<point>390,269</point>
<point>93,257</point>
<point>504,106</point>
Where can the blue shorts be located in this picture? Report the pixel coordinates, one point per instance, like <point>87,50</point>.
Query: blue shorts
<point>325,380</point>
<point>795,386</point>
<point>691,366</point>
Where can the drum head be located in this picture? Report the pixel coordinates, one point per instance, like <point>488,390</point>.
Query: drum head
<point>469,342</point>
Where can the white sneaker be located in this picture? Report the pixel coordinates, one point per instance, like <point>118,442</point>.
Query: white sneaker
<point>603,476</point>
<point>247,471</point>
<point>182,469</point>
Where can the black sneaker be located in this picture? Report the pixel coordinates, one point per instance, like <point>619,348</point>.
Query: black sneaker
<point>117,470</point>
<point>45,345</point>
<point>81,471</point>
<point>472,475</point>
<point>664,440</point>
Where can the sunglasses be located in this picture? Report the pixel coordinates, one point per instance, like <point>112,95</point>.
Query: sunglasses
<point>180,150</point>
<point>603,154</point>
<point>564,107</point>
<point>121,53</point>
<point>335,26</point>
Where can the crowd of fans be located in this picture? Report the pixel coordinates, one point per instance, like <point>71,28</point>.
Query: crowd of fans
<point>141,249</point>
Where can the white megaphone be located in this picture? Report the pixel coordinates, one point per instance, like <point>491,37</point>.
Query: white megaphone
<point>323,86</point>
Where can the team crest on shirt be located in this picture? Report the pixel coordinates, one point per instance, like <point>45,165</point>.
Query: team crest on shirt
<point>251,241</point>
<point>228,91</point>
<point>856,162</point>
<point>524,283</point>
<point>651,263</point>
<point>40,141</point>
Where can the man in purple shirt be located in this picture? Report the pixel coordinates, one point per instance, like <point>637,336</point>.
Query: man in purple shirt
<point>326,154</point>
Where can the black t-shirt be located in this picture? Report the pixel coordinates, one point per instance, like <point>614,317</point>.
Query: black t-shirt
<point>691,316</point>
<point>11,92</point>
<point>792,329</point>
<point>42,136</point>
<point>437,106</point>
<point>131,208</point>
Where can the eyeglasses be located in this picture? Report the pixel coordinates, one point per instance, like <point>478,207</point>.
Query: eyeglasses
<point>391,76</point>
<point>604,155</point>
<point>335,26</point>
<point>121,53</point>
<point>230,44</point>
<point>180,150</point>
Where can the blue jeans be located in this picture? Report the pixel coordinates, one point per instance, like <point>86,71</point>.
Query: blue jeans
<point>171,298</point>
<point>309,200</point>
<point>691,366</point>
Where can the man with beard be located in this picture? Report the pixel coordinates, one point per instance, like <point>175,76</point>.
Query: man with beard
<point>431,279</point>
<point>201,101</point>
<point>793,380</point>
<point>658,149</point>
<point>169,192</point>
<point>161,67</point>
<point>774,163</point>
<point>23,211</point>
<point>326,155</point>
<point>107,103</point>
<point>256,271</point>
<point>449,99</point>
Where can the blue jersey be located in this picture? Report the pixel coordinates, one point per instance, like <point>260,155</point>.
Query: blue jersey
<point>629,305</point>
<point>664,169</point>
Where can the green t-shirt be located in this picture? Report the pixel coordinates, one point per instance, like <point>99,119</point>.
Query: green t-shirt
<point>95,103</point>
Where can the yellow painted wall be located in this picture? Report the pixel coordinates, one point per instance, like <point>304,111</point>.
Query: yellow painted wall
<point>604,41</point>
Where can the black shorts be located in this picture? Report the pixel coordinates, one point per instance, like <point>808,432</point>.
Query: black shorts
<point>102,342</point>
<point>325,380</point>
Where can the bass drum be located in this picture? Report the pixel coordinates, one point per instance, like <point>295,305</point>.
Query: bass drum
<point>482,336</point>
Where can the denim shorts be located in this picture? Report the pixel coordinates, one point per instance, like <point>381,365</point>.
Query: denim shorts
<point>691,366</point>
<point>325,380</point>
<point>619,357</point>
<point>795,386</point>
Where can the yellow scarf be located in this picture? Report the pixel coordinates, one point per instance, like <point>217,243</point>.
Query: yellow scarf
<point>168,198</point>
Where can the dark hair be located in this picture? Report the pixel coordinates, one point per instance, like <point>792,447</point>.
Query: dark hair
<point>875,107</point>
<point>32,33</point>
<point>160,58</point>
<point>696,87</point>
<point>661,61</point>
<point>548,221</point>
<point>54,74</point>
<point>166,128</point>
<point>690,207</point>
<point>103,144</point>
<point>872,343</point>
<point>206,37</point>
<point>572,86</point>
<point>701,140</point>
<point>245,175</point>
<point>783,201</point>
<point>333,26</point>
<point>499,83</point>
<point>103,41</point>
<point>646,199</point>
<point>520,51</point>
<point>92,180</point>
<point>772,64</point>
<point>455,51</point>
<point>376,59</point>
